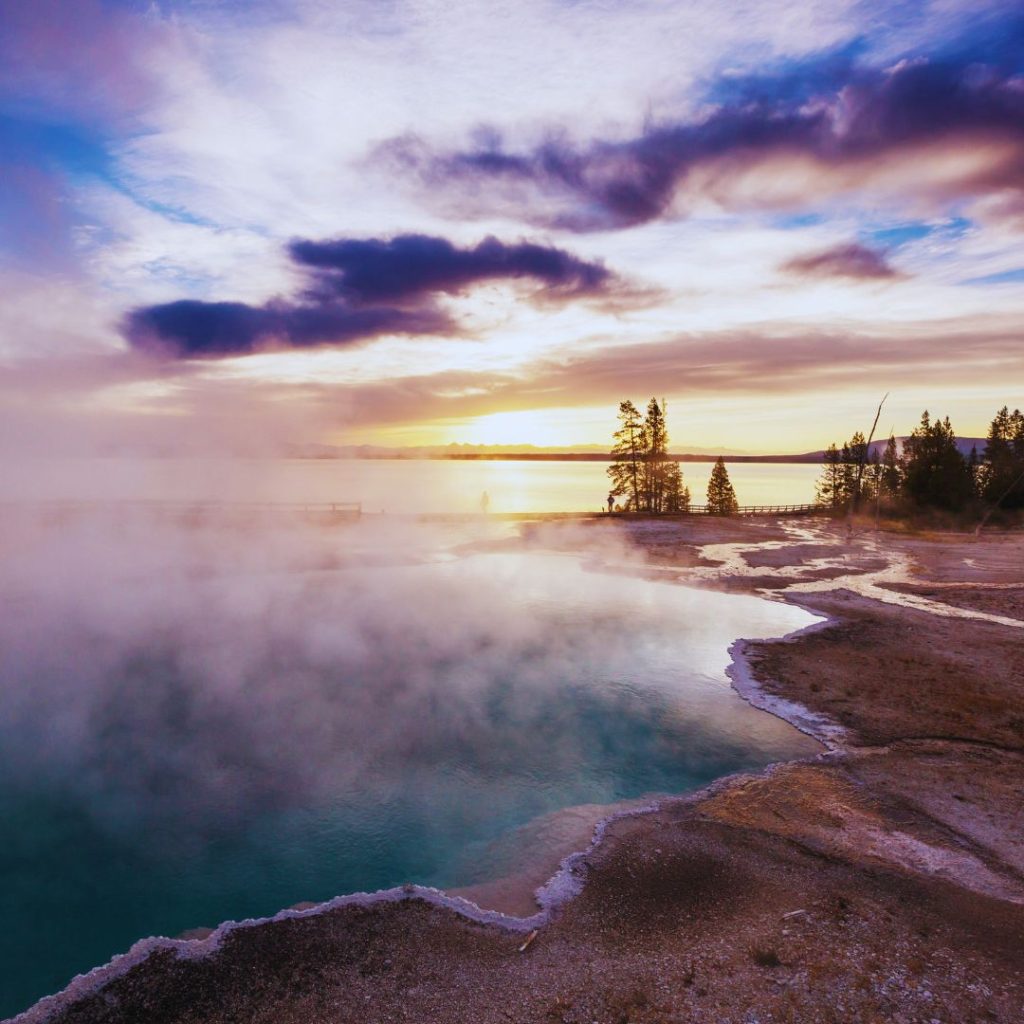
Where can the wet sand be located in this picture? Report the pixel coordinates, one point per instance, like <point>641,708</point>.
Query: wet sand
<point>880,881</point>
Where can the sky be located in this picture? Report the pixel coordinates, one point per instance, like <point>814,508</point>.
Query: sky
<point>232,226</point>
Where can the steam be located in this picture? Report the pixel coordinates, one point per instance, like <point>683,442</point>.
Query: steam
<point>206,673</point>
<point>209,716</point>
<point>201,677</point>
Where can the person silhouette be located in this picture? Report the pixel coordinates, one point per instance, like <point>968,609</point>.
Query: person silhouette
<point>611,502</point>
<point>485,502</point>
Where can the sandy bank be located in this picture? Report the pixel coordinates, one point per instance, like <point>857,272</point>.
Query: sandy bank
<point>882,881</point>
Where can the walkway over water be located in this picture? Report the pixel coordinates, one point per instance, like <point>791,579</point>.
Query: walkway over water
<point>765,510</point>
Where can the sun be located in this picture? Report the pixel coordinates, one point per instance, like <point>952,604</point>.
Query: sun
<point>536,427</point>
<point>523,426</point>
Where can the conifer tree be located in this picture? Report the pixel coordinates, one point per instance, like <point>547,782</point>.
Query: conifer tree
<point>721,496</point>
<point>974,468</point>
<point>642,469</point>
<point>655,457</point>
<point>892,475</point>
<point>848,474</point>
<point>677,497</point>
<point>935,474</point>
<point>855,457</point>
<point>1001,474</point>
<point>628,451</point>
<point>831,486</point>
<point>871,485</point>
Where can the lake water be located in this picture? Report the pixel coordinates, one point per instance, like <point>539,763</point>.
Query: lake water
<point>203,725</point>
<point>418,486</point>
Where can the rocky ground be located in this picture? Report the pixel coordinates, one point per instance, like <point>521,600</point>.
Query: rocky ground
<point>881,881</point>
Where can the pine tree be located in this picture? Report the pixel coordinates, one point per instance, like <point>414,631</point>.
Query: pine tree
<point>677,497</point>
<point>871,485</point>
<point>721,496</point>
<point>892,474</point>
<point>628,452</point>
<point>832,484</point>
<point>935,474</point>
<point>856,457</point>
<point>655,457</point>
<point>642,469</point>
<point>848,474</point>
<point>974,468</point>
<point>1001,474</point>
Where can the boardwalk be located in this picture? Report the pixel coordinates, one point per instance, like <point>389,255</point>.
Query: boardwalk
<point>765,510</point>
<point>810,509</point>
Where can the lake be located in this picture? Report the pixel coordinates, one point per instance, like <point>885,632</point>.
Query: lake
<point>207,724</point>
<point>396,486</point>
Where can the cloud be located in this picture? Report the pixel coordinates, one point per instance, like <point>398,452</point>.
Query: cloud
<point>851,260</point>
<point>189,328</point>
<point>764,364</point>
<point>126,403</point>
<point>88,58</point>
<point>821,119</point>
<point>374,270</point>
<point>361,289</point>
<point>756,369</point>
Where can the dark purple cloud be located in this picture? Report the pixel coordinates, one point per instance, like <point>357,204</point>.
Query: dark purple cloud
<point>852,260</point>
<point>835,112</point>
<point>361,289</point>
<point>192,329</point>
<point>376,270</point>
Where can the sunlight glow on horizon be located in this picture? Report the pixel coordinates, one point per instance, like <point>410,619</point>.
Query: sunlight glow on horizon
<point>215,234</point>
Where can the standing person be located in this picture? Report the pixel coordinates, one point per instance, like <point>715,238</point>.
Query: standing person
<point>611,502</point>
<point>485,502</point>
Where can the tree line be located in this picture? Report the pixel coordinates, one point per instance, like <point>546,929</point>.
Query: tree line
<point>644,475</point>
<point>930,472</point>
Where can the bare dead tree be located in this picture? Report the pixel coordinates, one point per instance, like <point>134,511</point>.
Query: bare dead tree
<point>878,484</point>
<point>855,504</point>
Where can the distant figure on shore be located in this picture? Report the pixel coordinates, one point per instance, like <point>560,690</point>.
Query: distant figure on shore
<point>611,503</point>
<point>485,502</point>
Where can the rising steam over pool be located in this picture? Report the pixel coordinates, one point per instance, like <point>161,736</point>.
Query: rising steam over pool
<point>203,723</point>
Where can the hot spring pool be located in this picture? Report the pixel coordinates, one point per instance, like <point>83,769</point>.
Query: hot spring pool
<point>186,748</point>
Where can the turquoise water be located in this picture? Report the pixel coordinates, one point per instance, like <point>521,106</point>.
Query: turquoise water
<point>179,748</point>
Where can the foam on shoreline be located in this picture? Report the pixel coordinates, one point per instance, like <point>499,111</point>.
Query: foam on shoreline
<point>810,723</point>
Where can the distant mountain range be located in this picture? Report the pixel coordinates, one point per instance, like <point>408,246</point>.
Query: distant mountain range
<point>964,444</point>
<point>528,452</point>
<point>581,453</point>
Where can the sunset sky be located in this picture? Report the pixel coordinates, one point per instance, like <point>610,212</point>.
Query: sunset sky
<point>231,225</point>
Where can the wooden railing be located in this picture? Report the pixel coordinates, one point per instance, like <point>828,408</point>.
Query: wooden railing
<point>743,510</point>
<point>763,510</point>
